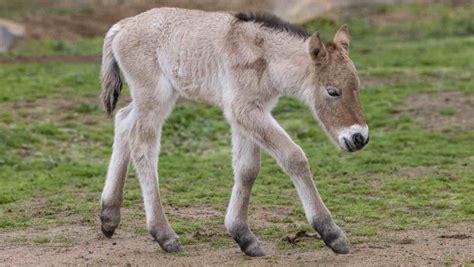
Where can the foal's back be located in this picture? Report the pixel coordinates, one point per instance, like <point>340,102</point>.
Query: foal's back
<point>188,47</point>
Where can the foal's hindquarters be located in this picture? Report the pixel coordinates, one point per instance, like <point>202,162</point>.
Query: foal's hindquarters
<point>137,137</point>
<point>137,134</point>
<point>135,45</point>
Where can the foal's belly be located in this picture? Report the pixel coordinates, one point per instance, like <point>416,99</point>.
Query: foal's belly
<point>195,85</point>
<point>196,90</point>
<point>195,75</point>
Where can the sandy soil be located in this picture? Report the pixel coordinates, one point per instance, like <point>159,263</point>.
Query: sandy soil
<point>451,245</point>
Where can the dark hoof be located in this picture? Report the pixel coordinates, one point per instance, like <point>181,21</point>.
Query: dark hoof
<point>333,236</point>
<point>110,219</point>
<point>171,246</point>
<point>254,251</point>
<point>247,242</point>
<point>107,233</point>
<point>169,243</point>
<point>340,245</point>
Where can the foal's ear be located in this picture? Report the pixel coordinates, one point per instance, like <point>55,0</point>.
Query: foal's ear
<point>343,38</point>
<point>317,50</point>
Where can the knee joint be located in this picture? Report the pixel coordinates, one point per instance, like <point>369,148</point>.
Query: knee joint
<point>296,160</point>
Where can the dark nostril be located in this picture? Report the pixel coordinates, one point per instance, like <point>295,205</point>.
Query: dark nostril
<point>359,140</point>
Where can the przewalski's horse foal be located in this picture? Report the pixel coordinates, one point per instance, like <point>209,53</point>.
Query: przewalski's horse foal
<point>241,63</point>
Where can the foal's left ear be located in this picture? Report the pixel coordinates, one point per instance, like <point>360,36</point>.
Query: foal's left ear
<point>317,49</point>
<point>343,38</point>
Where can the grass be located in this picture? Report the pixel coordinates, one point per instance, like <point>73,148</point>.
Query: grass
<point>53,160</point>
<point>89,46</point>
<point>32,81</point>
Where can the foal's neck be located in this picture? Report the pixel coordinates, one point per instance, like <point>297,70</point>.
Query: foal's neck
<point>290,67</point>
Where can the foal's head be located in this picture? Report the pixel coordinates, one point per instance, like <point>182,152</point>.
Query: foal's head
<point>334,91</point>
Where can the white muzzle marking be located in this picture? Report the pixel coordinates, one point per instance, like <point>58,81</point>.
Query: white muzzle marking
<point>348,132</point>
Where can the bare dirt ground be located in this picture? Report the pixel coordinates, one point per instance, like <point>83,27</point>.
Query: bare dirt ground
<point>442,110</point>
<point>85,245</point>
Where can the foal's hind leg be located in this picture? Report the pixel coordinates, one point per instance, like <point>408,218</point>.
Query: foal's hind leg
<point>112,194</point>
<point>246,163</point>
<point>152,108</point>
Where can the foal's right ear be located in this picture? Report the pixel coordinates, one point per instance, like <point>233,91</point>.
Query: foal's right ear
<point>317,50</point>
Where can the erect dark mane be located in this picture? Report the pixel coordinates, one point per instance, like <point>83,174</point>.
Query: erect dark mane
<point>273,22</point>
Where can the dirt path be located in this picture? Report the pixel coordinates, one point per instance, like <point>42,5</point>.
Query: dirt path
<point>74,244</point>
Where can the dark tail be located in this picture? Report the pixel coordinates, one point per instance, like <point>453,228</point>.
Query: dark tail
<point>110,72</point>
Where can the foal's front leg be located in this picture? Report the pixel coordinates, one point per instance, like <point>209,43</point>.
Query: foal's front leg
<point>264,130</point>
<point>246,164</point>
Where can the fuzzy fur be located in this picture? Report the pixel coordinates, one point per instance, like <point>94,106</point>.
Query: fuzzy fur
<point>242,64</point>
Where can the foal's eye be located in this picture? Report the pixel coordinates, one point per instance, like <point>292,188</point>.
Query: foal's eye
<point>332,92</point>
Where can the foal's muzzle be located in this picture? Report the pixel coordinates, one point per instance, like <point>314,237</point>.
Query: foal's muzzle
<point>357,143</point>
<point>353,138</point>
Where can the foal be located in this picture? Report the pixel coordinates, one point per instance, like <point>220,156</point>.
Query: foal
<point>241,63</point>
